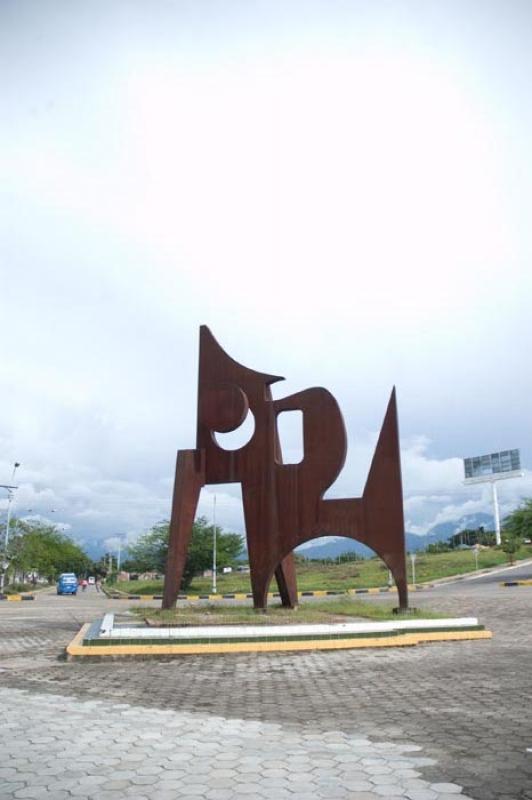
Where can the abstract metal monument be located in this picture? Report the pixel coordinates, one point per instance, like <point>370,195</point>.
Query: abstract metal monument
<point>283,503</point>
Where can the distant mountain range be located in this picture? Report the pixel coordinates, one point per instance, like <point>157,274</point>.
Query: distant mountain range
<point>337,545</point>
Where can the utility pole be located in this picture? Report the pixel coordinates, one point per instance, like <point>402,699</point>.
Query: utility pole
<point>413,560</point>
<point>11,489</point>
<point>496,514</point>
<point>10,495</point>
<point>214,545</point>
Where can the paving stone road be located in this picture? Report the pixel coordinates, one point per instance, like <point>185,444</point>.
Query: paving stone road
<point>421,723</point>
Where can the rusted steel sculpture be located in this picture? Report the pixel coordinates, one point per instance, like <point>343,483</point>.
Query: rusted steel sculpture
<point>283,503</point>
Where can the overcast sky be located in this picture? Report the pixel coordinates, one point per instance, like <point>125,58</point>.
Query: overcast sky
<point>340,190</point>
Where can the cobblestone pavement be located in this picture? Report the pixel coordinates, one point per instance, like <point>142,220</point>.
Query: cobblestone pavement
<point>148,753</point>
<point>322,725</point>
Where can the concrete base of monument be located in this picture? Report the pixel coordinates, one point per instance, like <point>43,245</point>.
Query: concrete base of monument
<point>104,638</point>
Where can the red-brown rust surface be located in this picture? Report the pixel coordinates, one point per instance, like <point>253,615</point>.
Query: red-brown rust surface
<point>283,503</point>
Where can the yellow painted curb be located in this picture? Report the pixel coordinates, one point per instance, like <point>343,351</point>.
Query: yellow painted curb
<point>271,596</point>
<point>76,648</point>
<point>513,584</point>
<point>16,598</point>
<point>450,636</point>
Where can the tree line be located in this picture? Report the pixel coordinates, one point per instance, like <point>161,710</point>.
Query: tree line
<point>151,549</point>
<point>515,530</point>
<point>39,548</point>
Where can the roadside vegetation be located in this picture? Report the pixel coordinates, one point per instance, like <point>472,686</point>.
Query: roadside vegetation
<point>40,552</point>
<point>39,549</point>
<point>363,574</point>
<point>149,552</point>
<point>17,588</point>
<point>465,551</point>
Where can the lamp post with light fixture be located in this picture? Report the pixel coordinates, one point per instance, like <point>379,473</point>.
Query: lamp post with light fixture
<point>10,494</point>
<point>214,565</point>
<point>119,554</point>
<point>11,488</point>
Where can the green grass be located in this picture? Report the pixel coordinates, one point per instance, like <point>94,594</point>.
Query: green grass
<point>341,577</point>
<point>339,610</point>
<point>136,587</point>
<point>17,588</point>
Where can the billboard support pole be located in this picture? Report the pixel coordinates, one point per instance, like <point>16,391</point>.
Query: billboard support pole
<point>496,513</point>
<point>491,468</point>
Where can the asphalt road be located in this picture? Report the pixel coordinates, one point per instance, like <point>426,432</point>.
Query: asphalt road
<point>491,579</point>
<point>517,572</point>
<point>429,721</point>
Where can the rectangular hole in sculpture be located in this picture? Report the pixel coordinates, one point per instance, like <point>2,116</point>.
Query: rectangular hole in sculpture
<point>290,431</point>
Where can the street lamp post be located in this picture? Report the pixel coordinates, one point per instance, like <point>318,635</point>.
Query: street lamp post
<point>119,549</point>
<point>10,495</point>
<point>214,545</point>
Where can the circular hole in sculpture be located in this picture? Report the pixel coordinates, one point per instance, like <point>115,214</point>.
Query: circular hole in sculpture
<point>238,438</point>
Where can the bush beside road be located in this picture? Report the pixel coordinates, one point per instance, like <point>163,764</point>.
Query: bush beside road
<point>368,573</point>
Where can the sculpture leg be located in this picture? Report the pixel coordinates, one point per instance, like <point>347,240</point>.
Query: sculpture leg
<point>285,575</point>
<point>397,568</point>
<point>260,575</point>
<point>189,479</point>
<point>403,594</point>
<point>259,586</point>
<point>378,518</point>
<point>368,523</point>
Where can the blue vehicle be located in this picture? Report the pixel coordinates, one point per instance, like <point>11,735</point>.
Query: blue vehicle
<point>67,583</point>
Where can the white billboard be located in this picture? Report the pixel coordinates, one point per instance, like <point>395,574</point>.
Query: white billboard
<point>493,466</point>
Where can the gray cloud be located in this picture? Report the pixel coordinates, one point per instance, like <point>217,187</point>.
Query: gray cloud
<point>342,199</point>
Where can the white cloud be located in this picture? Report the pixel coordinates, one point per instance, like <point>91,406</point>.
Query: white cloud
<point>433,491</point>
<point>333,192</point>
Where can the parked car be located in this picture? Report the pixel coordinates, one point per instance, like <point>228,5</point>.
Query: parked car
<point>92,580</point>
<point>67,583</point>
